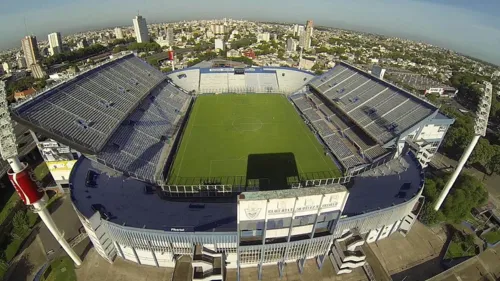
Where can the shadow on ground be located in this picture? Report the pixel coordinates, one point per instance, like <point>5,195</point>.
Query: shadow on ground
<point>272,171</point>
<point>23,269</point>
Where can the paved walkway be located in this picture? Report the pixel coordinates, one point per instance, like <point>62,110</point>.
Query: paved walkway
<point>291,273</point>
<point>95,268</point>
<point>398,253</point>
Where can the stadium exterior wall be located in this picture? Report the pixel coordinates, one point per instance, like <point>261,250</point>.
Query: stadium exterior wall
<point>160,248</point>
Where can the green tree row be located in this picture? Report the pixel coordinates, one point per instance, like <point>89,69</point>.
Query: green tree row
<point>75,55</point>
<point>467,193</point>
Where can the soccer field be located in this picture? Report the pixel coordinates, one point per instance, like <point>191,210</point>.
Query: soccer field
<point>253,139</point>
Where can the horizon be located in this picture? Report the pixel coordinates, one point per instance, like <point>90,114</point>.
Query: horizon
<point>454,25</point>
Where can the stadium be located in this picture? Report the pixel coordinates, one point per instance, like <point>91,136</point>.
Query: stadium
<point>225,168</point>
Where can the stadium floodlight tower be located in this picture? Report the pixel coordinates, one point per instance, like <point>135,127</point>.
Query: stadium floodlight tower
<point>481,123</point>
<point>22,178</point>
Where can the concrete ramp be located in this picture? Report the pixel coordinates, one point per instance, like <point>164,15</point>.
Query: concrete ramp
<point>183,270</point>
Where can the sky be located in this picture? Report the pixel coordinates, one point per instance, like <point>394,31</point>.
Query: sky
<point>466,26</point>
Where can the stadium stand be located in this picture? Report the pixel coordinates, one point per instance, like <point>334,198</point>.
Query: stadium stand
<point>314,99</point>
<point>323,129</point>
<point>325,110</point>
<point>311,115</point>
<point>382,110</point>
<point>256,80</point>
<point>338,146</point>
<point>302,103</point>
<point>214,83</point>
<point>136,146</point>
<point>87,109</point>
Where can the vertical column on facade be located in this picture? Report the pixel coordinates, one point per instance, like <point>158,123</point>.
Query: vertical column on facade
<point>280,268</point>
<point>300,264</point>
<point>314,227</point>
<point>287,246</point>
<point>238,234</point>
<point>262,252</point>
<point>153,253</point>
<point>119,248</point>
<point>129,237</point>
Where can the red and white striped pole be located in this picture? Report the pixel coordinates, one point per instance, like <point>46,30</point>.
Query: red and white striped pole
<point>22,178</point>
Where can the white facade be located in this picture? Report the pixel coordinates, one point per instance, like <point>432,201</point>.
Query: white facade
<point>233,54</point>
<point>306,35</point>
<point>291,45</point>
<point>219,44</point>
<point>265,36</point>
<point>30,50</point>
<point>378,72</point>
<point>6,67</point>
<point>55,43</point>
<point>141,29</point>
<point>218,28</point>
<point>170,36</point>
<point>297,29</point>
<point>118,33</point>
<point>21,62</point>
<point>306,64</point>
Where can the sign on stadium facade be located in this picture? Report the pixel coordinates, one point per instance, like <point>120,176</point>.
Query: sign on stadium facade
<point>251,210</point>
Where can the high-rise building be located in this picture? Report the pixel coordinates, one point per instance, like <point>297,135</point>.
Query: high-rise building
<point>141,29</point>
<point>82,43</point>
<point>55,43</point>
<point>219,44</point>
<point>118,33</point>
<point>6,67</point>
<point>297,29</point>
<point>30,49</point>
<point>291,45</point>
<point>218,28</point>
<point>21,63</point>
<point>170,36</point>
<point>37,71</point>
<point>265,36</point>
<point>308,35</point>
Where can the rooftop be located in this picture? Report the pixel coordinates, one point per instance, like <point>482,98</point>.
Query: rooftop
<point>392,183</point>
<point>382,110</point>
<point>125,199</point>
<point>83,112</point>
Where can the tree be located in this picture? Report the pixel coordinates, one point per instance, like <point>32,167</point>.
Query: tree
<point>281,54</point>
<point>482,153</point>
<point>468,192</point>
<point>75,55</point>
<point>20,223</point>
<point>144,47</point>
<point>494,164</point>
<point>118,49</point>
<point>180,57</point>
<point>166,69</point>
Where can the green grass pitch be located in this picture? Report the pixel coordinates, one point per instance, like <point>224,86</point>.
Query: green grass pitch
<point>251,138</point>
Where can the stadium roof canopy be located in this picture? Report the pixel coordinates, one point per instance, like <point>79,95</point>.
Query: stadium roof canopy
<point>382,110</point>
<point>124,112</point>
<point>85,111</point>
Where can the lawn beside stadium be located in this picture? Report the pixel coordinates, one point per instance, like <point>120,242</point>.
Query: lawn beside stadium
<point>257,139</point>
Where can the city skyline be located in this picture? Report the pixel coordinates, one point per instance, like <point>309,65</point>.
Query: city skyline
<point>457,25</point>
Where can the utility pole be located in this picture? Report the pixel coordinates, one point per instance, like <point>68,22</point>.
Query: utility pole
<point>22,178</point>
<point>481,123</point>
